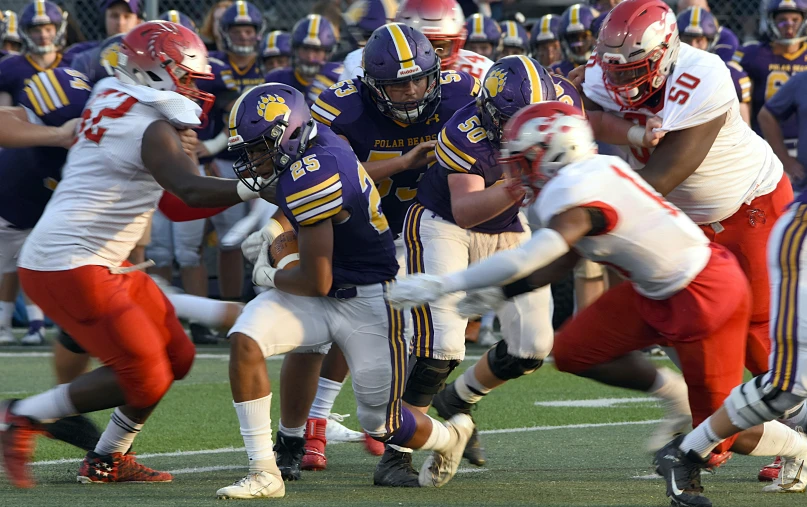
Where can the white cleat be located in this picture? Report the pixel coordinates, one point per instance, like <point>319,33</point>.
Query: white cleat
<point>34,338</point>
<point>255,485</point>
<point>439,468</point>
<point>335,431</point>
<point>677,416</point>
<point>487,338</point>
<point>6,336</point>
<point>791,478</point>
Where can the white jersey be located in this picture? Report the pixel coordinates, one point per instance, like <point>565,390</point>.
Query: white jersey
<point>740,165</point>
<point>652,242</point>
<point>106,196</point>
<point>468,61</point>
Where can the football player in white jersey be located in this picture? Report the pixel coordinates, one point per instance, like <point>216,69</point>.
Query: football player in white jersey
<point>710,163</point>
<point>597,207</point>
<point>127,149</point>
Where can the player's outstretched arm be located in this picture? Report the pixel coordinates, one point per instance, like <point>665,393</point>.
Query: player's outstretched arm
<point>472,203</point>
<point>314,275</point>
<point>17,132</point>
<point>679,154</point>
<point>164,157</point>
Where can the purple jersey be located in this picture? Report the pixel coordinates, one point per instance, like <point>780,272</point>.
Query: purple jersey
<point>327,180</point>
<point>231,76</point>
<point>226,90</point>
<point>328,75</point>
<point>463,147</point>
<point>350,112</point>
<point>562,67</point>
<point>566,92</point>
<point>727,43</point>
<point>768,72</point>
<point>16,70</point>
<point>742,83</point>
<point>29,175</point>
<point>69,54</point>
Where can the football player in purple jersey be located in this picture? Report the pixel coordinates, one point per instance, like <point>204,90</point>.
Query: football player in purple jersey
<point>43,26</point>
<point>391,118</point>
<point>544,40</point>
<point>10,41</point>
<point>276,50</point>
<point>312,43</point>
<point>346,261</point>
<point>483,35</point>
<point>515,39</point>
<point>576,38</point>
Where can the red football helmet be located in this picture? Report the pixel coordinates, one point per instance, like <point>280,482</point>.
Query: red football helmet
<point>165,56</point>
<point>540,139</point>
<point>637,48</point>
<point>441,21</point>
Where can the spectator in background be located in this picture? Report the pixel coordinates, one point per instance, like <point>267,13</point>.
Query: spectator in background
<point>119,16</point>
<point>789,101</point>
<point>210,27</point>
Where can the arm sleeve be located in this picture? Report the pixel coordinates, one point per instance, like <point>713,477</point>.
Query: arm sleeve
<point>177,211</point>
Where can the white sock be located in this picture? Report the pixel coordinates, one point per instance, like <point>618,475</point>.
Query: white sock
<point>118,435</point>
<point>779,440</point>
<point>327,391</point>
<point>48,406</point>
<point>6,313</point>
<point>468,388</point>
<point>292,432</point>
<point>205,311</point>
<point>440,438</point>
<point>701,440</point>
<point>797,417</point>
<point>672,389</point>
<point>34,313</point>
<point>255,420</point>
<point>487,320</point>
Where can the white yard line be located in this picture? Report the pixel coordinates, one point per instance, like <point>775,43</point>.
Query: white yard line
<point>595,403</point>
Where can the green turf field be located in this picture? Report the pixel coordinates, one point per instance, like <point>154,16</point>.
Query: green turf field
<point>537,455</point>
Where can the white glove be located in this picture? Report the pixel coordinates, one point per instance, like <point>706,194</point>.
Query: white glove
<point>480,302</point>
<point>415,290</point>
<point>263,274</point>
<point>239,231</point>
<point>251,247</point>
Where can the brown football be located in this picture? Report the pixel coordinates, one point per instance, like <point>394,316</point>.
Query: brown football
<point>283,246</point>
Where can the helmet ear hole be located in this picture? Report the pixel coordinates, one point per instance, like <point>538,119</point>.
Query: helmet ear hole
<point>153,76</point>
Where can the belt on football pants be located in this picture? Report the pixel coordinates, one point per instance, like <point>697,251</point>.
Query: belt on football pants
<point>343,293</point>
<point>362,291</point>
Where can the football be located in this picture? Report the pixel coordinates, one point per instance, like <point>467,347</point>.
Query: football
<point>283,252</point>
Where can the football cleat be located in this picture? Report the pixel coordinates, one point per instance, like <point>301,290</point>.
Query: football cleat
<point>255,485</point>
<point>77,430</point>
<point>17,441</point>
<point>448,403</point>
<point>35,335</point>
<point>315,441</point>
<point>682,472</point>
<point>6,336</point>
<point>289,452</point>
<point>717,460</point>
<point>395,470</point>
<point>117,467</point>
<point>792,477</point>
<point>202,335</point>
<point>440,467</point>
<point>372,445</point>
<point>770,472</point>
<point>335,431</point>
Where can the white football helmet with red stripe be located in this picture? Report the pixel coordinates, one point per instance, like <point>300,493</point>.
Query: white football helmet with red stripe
<point>441,21</point>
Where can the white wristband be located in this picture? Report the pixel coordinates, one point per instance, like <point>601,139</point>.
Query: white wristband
<point>287,259</point>
<point>271,230</point>
<point>636,136</point>
<point>246,193</point>
<point>217,144</point>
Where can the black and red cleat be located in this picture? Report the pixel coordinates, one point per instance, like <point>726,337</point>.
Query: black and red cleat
<point>18,441</point>
<point>117,467</point>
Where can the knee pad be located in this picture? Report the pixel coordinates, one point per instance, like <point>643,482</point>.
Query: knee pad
<point>427,378</point>
<point>507,367</point>
<point>69,343</point>
<point>372,420</point>
<point>756,402</point>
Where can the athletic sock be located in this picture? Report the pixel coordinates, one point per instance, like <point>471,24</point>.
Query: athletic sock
<point>440,438</point>
<point>327,391</point>
<point>6,313</point>
<point>701,440</point>
<point>469,389</point>
<point>298,432</point>
<point>672,389</point>
<point>36,319</point>
<point>47,407</point>
<point>255,420</point>
<point>118,435</point>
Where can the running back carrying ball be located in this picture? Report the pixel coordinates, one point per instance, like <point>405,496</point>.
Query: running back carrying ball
<point>283,252</point>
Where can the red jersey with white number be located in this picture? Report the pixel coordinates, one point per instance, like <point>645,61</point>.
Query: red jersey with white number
<point>472,63</point>
<point>739,167</point>
<point>106,196</point>
<point>646,238</point>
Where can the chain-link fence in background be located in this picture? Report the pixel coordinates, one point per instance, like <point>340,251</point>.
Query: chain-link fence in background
<point>742,16</point>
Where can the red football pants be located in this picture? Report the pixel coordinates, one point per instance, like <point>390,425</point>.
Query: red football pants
<point>124,320</point>
<point>745,234</point>
<point>706,323</point>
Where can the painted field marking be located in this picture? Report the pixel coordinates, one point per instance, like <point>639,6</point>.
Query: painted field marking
<point>597,403</point>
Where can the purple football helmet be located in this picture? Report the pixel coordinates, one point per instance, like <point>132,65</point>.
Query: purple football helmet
<point>698,22</point>
<point>269,123</point>
<point>484,30</point>
<point>545,29</point>
<point>9,28</point>
<point>510,84</point>
<point>42,12</point>
<point>575,32</point>
<point>178,17</point>
<point>314,32</point>
<point>775,32</point>
<point>276,43</point>
<point>241,14</point>
<point>364,16</point>
<point>397,54</point>
<point>514,35</point>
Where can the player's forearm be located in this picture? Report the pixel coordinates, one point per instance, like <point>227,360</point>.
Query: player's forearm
<point>609,128</point>
<point>772,132</point>
<point>380,169</point>
<point>474,208</point>
<point>210,192</point>
<point>296,281</point>
<point>17,132</point>
<point>745,112</point>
